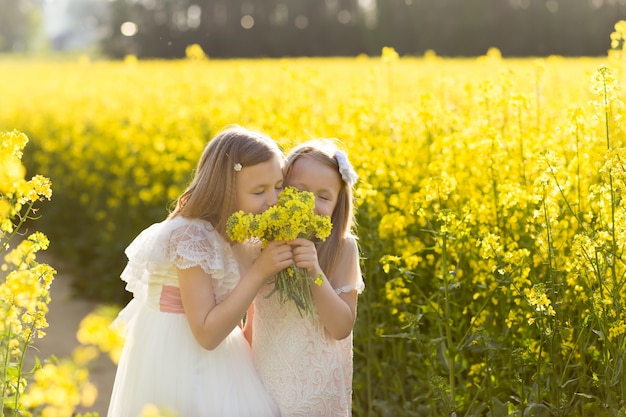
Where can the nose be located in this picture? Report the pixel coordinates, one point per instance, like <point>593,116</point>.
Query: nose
<point>273,197</point>
<point>317,206</point>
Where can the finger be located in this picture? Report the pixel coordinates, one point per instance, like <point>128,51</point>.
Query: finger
<point>304,263</point>
<point>304,254</point>
<point>278,247</point>
<point>300,242</point>
<point>275,243</point>
<point>285,251</point>
<point>308,252</point>
<point>286,257</point>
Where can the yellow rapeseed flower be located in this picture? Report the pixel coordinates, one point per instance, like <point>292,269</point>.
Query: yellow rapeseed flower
<point>293,216</point>
<point>94,329</point>
<point>389,55</point>
<point>195,52</point>
<point>617,329</point>
<point>59,388</point>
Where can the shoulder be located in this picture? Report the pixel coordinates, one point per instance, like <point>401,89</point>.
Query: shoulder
<point>349,248</point>
<point>180,221</point>
<point>195,242</point>
<point>197,234</point>
<point>348,270</point>
<point>191,228</point>
<point>348,256</point>
<point>176,229</point>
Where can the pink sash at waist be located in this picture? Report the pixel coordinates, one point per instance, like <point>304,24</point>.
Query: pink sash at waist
<point>170,301</point>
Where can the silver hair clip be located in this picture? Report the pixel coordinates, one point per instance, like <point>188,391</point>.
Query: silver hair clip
<point>345,168</point>
<point>237,167</point>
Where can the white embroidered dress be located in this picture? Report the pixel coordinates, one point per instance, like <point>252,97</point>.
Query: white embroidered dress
<point>307,372</point>
<point>162,364</point>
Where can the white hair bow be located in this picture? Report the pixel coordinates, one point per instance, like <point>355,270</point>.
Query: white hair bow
<point>345,168</point>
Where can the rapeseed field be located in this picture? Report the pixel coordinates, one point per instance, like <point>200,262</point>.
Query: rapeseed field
<point>490,204</point>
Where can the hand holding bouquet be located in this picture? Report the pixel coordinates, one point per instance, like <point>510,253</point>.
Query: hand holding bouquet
<point>292,217</point>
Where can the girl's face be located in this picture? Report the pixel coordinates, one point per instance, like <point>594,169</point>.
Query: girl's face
<point>258,186</point>
<point>309,174</point>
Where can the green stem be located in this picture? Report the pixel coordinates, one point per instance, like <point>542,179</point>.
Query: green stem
<point>521,152</point>
<point>578,177</point>
<point>613,236</point>
<point>20,365</point>
<point>613,199</point>
<point>5,370</point>
<point>494,185</point>
<point>570,356</point>
<point>562,192</point>
<point>17,227</point>
<point>447,318</point>
<point>606,112</point>
<point>613,253</point>
<point>539,386</point>
<point>369,356</point>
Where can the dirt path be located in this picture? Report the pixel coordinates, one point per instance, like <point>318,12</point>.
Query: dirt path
<point>64,316</point>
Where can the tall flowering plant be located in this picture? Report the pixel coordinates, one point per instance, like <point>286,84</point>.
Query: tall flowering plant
<point>292,217</point>
<point>28,385</point>
<point>24,282</point>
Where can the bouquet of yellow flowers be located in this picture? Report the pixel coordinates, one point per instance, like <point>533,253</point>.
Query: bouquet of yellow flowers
<point>292,217</point>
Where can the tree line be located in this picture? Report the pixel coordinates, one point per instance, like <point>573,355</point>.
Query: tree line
<point>277,28</point>
<point>274,28</point>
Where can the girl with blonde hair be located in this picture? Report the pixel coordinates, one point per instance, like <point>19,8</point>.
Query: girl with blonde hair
<point>184,350</point>
<point>306,362</point>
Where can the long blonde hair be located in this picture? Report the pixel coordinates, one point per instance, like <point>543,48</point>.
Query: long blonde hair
<point>211,194</point>
<point>343,216</point>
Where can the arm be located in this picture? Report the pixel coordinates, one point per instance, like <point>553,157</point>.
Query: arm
<point>211,322</point>
<point>337,312</point>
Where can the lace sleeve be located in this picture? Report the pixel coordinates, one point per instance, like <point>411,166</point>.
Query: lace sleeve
<point>194,245</point>
<point>181,243</point>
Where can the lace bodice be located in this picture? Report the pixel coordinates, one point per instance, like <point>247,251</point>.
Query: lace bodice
<point>307,372</point>
<point>178,243</point>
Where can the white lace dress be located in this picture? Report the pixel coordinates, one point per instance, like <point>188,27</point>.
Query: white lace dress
<point>162,364</point>
<point>307,372</point>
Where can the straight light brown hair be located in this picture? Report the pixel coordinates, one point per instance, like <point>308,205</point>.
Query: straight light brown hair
<point>211,194</point>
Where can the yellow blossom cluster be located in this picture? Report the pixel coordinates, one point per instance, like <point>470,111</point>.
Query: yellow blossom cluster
<point>538,298</point>
<point>195,52</point>
<point>15,191</point>
<point>397,293</point>
<point>55,388</point>
<point>617,329</point>
<point>95,331</point>
<point>24,284</point>
<point>58,388</point>
<point>293,216</point>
